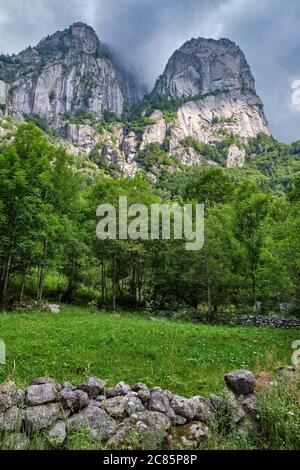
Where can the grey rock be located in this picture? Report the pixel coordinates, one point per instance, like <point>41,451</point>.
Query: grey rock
<point>19,398</point>
<point>40,417</point>
<point>6,402</point>
<point>40,394</point>
<point>8,391</point>
<point>17,441</point>
<point>10,420</point>
<point>160,402</point>
<point>101,398</point>
<point>58,433</point>
<point>100,425</point>
<point>52,308</point>
<point>242,382</point>
<point>183,407</point>
<point>204,410</point>
<point>68,386</point>
<point>146,430</point>
<point>193,433</point>
<point>43,381</point>
<point>115,407</point>
<point>133,405</point>
<point>93,387</point>
<point>73,400</point>
<point>95,403</point>
<point>119,390</point>
<point>227,406</point>
<point>143,392</point>
<point>180,421</point>
<point>8,388</point>
<point>250,404</point>
<point>76,76</point>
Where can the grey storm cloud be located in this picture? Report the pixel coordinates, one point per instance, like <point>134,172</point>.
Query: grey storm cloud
<point>147,32</point>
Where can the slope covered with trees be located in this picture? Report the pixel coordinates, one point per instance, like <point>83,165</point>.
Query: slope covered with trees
<point>49,248</point>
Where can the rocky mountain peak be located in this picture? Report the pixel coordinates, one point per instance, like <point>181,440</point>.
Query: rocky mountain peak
<point>78,38</point>
<point>204,66</point>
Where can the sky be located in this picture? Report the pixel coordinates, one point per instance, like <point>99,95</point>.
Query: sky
<point>147,32</point>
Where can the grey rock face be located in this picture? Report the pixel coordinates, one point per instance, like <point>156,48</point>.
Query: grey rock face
<point>68,72</point>
<point>93,387</point>
<point>101,426</point>
<point>40,417</point>
<point>40,394</point>
<point>203,66</point>
<point>242,382</point>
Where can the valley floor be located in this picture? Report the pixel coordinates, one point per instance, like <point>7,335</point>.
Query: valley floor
<point>187,359</point>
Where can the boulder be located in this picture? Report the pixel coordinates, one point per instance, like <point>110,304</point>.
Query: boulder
<point>242,382</point>
<point>58,433</point>
<point>227,406</point>
<point>192,434</point>
<point>183,407</point>
<point>160,402</point>
<point>37,418</point>
<point>52,308</point>
<point>93,387</point>
<point>10,420</point>
<point>143,392</point>
<point>101,426</point>
<point>8,392</point>
<point>73,400</point>
<point>250,405</point>
<point>119,390</point>
<point>204,411</point>
<point>41,394</point>
<point>133,405</point>
<point>115,407</point>
<point>147,430</point>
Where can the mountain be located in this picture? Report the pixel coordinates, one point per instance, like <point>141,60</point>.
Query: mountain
<point>202,110</point>
<point>68,73</point>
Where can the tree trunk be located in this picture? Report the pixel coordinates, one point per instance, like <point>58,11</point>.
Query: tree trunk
<point>8,265</point>
<point>24,282</point>
<point>41,276</point>
<point>114,282</point>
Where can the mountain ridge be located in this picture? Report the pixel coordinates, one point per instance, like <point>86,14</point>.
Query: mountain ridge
<point>205,97</point>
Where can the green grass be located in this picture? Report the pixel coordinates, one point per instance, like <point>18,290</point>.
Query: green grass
<point>186,358</point>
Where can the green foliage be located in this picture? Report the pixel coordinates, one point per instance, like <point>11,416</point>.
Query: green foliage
<point>210,152</point>
<point>278,408</point>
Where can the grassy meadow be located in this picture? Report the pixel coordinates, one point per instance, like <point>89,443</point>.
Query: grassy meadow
<point>185,358</point>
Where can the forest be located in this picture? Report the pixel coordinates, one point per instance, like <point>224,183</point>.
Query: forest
<point>49,250</point>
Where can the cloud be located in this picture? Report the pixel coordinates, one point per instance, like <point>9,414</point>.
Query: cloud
<point>147,32</point>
